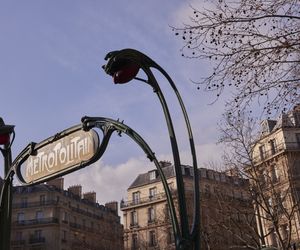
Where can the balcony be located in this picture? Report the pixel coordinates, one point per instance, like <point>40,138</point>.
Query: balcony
<point>81,227</point>
<point>280,148</point>
<point>144,200</point>
<point>134,225</point>
<point>37,240</point>
<point>34,204</point>
<point>37,221</point>
<point>18,242</point>
<point>84,212</point>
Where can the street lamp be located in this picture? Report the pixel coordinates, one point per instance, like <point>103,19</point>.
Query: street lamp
<point>123,66</point>
<point>6,193</point>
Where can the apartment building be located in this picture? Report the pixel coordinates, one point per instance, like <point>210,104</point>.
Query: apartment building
<point>276,175</point>
<point>47,217</point>
<point>227,215</point>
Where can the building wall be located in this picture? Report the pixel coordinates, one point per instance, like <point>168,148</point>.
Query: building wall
<point>220,194</point>
<point>46,217</point>
<point>276,161</point>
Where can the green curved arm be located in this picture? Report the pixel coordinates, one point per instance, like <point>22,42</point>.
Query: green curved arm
<point>108,126</point>
<point>117,59</point>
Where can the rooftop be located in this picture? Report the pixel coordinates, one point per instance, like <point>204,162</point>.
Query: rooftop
<point>187,171</point>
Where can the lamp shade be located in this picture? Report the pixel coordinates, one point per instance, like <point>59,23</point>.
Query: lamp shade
<point>126,73</point>
<point>5,131</point>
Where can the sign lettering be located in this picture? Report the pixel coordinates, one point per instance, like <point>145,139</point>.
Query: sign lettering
<point>60,155</point>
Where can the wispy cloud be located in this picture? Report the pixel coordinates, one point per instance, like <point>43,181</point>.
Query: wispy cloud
<point>110,182</point>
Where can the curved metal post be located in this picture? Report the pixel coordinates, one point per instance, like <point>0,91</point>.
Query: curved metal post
<point>125,57</point>
<point>108,126</point>
<point>6,200</point>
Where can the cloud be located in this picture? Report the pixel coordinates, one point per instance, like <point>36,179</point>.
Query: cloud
<point>109,182</point>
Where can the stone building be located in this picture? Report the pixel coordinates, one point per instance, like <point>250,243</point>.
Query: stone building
<point>47,217</point>
<point>227,215</point>
<point>276,175</point>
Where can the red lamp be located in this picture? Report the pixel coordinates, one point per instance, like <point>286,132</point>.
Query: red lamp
<point>126,73</point>
<point>4,139</point>
<point>5,131</point>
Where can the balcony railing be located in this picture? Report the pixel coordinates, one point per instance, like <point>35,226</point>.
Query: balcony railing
<point>84,212</point>
<point>36,221</point>
<point>282,147</point>
<point>35,240</point>
<point>144,200</point>
<point>81,227</point>
<point>34,204</point>
<point>18,242</point>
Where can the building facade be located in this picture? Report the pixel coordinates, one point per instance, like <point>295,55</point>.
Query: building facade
<point>227,215</point>
<point>275,172</point>
<point>47,217</point>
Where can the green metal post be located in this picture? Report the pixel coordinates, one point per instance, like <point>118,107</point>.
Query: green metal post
<point>6,195</point>
<point>123,65</point>
<point>6,191</point>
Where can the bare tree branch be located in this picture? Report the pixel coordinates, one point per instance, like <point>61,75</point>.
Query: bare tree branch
<point>253,47</point>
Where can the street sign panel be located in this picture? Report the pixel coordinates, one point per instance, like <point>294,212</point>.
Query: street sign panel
<point>60,156</point>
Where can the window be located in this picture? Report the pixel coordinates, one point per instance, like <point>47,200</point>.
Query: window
<point>152,193</point>
<point>152,238</point>
<point>39,215</point>
<point>171,186</point>
<point>135,243</point>
<point>65,216</point>
<point>19,236</point>
<point>24,202</point>
<point>273,146</point>
<point>64,235</point>
<point>263,178</point>
<point>210,174</point>
<point>274,174</point>
<point>297,118</point>
<point>134,218</point>
<point>298,139</point>
<point>217,176</point>
<point>207,190</point>
<point>152,175</point>
<point>262,152</point>
<point>270,203</point>
<point>223,177</point>
<point>272,237</point>
<point>167,212</point>
<point>284,231</point>
<point>38,234</point>
<point>171,238</point>
<point>136,197</point>
<point>151,215</point>
<point>42,199</point>
<point>21,217</point>
<point>203,173</point>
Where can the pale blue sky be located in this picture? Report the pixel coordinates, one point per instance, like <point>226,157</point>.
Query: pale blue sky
<point>51,54</point>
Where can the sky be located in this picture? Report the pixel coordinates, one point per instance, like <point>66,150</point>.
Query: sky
<point>51,53</point>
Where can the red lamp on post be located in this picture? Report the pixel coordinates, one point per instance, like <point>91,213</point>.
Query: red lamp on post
<point>6,192</point>
<point>122,70</point>
<point>5,132</point>
<point>4,139</point>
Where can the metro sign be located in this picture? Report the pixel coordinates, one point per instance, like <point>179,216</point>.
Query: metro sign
<point>66,154</point>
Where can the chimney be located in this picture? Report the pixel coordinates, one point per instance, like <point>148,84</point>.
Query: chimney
<point>58,183</point>
<point>113,205</point>
<point>164,164</point>
<point>297,107</point>
<point>76,190</point>
<point>90,196</point>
